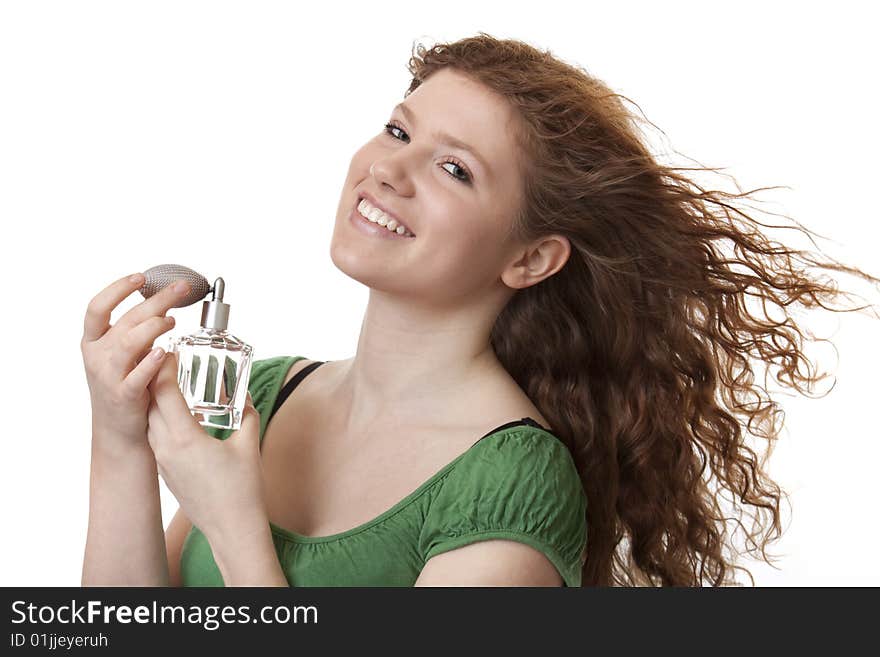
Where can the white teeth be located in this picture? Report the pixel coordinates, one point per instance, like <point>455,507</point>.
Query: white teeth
<point>378,217</point>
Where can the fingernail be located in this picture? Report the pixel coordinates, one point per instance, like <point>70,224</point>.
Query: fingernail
<point>157,353</point>
<point>181,286</point>
<point>136,278</point>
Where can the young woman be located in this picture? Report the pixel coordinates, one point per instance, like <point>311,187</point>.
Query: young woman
<point>548,385</point>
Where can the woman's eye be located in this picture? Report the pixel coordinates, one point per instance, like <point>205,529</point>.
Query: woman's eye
<point>390,128</point>
<point>465,178</point>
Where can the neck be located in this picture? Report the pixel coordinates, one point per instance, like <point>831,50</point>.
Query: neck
<point>413,363</point>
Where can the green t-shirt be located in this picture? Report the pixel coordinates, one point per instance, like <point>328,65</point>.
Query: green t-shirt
<point>519,483</point>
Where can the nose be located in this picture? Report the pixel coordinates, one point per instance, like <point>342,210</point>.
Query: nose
<point>393,172</point>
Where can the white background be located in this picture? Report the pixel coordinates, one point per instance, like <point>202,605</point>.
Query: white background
<point>218,135</point>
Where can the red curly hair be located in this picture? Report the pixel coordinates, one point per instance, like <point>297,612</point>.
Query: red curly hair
<point>640,350</point>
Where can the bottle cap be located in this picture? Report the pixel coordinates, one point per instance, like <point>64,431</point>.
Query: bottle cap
<point>215,313</point>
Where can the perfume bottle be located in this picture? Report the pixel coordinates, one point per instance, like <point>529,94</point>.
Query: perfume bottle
<point>214,366</point>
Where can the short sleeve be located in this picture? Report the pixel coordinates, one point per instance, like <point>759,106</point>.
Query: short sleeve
<point>266,377</point>
<point>520,485</point>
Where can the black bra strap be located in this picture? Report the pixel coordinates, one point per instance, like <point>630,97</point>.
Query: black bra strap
<point>515,423</point>
<point>293,383</point>
<point>288,388</point>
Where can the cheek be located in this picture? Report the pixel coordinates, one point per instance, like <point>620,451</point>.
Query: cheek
<point>470,229</point>
<point>462,252</point>
<point>357,168</point>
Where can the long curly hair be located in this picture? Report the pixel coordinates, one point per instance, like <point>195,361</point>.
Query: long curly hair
<point>639,350</point>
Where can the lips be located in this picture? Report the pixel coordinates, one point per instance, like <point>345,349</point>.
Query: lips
<point>376,204</point>
<point>367,227</point>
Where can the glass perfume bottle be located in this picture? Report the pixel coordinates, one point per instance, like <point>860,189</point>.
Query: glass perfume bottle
<point>214,366</point>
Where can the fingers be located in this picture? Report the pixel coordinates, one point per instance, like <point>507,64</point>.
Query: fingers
<point>139,339</point>
<point>156,430</point>
<point>166,391</point>
<point>170,421</point>
<point>250,409</point>
<point>139,378</point>
<point>249,431</point>
<point>154,417</point>
<point>158,304</point>
<point>97,319</point>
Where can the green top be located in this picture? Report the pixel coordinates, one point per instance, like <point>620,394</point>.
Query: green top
<point>519,483</point>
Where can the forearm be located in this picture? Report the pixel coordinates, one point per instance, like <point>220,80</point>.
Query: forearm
<point>125,545</point>
<point>249,559</point>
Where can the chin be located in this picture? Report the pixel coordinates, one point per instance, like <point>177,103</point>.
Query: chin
<point>355,263</point>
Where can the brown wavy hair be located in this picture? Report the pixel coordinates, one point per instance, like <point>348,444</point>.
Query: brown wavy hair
<point>638,351</point>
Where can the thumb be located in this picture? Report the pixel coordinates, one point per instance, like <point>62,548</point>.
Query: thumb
<point>250,421</point>
<point>249,408</point>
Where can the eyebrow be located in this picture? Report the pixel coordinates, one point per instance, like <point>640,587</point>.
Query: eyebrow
<point>446,137</point>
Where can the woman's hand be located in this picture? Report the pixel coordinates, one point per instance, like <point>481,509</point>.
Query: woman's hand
<point>118,361</point>
<point>218,483</point>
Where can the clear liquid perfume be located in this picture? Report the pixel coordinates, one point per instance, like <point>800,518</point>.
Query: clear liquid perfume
<point>214,366</point>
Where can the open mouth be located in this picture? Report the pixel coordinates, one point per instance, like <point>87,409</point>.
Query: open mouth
<point>380,219</point>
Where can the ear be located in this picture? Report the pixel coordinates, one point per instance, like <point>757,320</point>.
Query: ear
<point>536,261</point>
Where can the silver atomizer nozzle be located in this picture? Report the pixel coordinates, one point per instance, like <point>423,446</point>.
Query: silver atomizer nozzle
<point>215,313</point>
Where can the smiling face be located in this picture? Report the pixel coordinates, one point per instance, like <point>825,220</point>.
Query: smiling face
<point>459,204</point>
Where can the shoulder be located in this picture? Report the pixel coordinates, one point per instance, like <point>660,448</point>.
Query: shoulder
<point>267,375</point>
<point>521,485</point>
<point>519,459</point>
<point>265,379</point>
